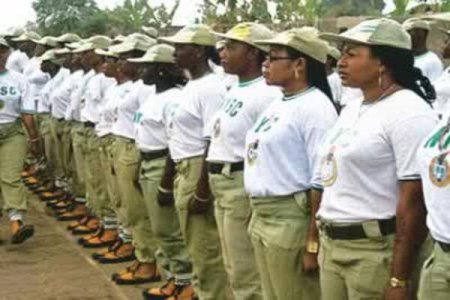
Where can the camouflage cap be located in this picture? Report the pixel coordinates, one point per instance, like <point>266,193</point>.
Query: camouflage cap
<point>197,34</point>
<point>248,33</point>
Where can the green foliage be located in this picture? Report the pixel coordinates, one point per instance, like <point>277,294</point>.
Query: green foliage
<point>445,5</point>
<point>400,7</point>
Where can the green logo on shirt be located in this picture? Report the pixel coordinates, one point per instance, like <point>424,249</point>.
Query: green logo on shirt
<point>433,141</point>
<point>266,123</point>
<point>5,90</point>
<point>232,107</point>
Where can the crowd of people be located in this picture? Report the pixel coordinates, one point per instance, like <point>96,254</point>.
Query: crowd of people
<point>242,165</point>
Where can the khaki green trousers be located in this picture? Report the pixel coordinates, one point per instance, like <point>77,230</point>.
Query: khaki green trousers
<point>13,150</point>
<point>97,198</point>
<point>45,125</point>
<point>356,269</point>
<point>67,157</point>
<point>78,137</point>
<point>126,166</point>
<point>57,128</point>
<point>200,234</point>
<point>232,210</point>
<point>173,254</point>
<point>435,280</point>
<point>278,229</point>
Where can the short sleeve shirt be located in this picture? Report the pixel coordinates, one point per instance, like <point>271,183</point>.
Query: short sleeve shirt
<point>430,64</point>
<point>14,97</point>
<point>370,149</point>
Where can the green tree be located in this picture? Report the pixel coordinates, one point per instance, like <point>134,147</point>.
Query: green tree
<point>57,16</point>
<point>400,7</point>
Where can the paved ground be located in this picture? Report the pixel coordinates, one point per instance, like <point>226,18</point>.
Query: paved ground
<point>52,266</point>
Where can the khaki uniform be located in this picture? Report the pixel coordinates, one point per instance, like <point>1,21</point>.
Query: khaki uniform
<point>126,166</point>
<point>278,230</point>
<point>13,149</point>
<point>173,256</point>
<point>57,132</point>
<point>78,137</point>
<point>45,126</point>
<point>232,210</point>
<point>200,234</point>
<point>435,280</point>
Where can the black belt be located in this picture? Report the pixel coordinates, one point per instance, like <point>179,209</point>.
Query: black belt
<point>148,156</point>
<point>356,232</point>
<point>444,246</point>
<point>89,124</point>
<point>214,168</point>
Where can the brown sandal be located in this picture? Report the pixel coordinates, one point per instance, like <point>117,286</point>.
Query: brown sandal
<point>113,257</point>
<point>130,277</point>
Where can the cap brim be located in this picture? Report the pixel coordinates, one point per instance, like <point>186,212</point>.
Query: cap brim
<point>171,40</point>
<point>256,44</point>
<point>106,53</point>
<point>336,38</point>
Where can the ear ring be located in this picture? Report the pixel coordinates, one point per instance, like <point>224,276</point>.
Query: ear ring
<point>296,75</point>
<point>380,79</point>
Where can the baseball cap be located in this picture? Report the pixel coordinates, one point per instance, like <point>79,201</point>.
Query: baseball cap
<point>249,32</point>
<point>27,36</point>
<point>416,23</point>
<point>95,42</point>
<point>334,52</point>
<point>13,32</point>
<point>51,56</point>
<point>62,51</point>
<point>4,43</point>
<point>197,34</point>
<point>381,32</point>
<point>107,52</point>
<point>303,40</point>
<point>135,41</point>
<point>68,38</point>
<point>157,54</point>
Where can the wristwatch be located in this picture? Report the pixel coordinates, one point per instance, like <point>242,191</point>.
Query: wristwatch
<point>312,247</point>
<point>397,283</point>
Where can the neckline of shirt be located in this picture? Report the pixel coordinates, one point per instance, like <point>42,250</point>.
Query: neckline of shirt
<point>245,83</point>
<point>297,95</point>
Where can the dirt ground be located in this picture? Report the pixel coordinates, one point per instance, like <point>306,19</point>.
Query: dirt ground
<point>52,266</point>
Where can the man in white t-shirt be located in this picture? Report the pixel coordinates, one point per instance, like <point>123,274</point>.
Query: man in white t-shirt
<point>427,61</point>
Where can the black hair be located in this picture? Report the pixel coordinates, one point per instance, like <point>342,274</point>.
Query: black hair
<point>261,56</point>
<point>315,72</point>
<point>212,54</point>
<point>171,74</point>
<point>400,63</point>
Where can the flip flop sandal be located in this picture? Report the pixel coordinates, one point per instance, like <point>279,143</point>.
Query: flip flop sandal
<point>69,216</point>
<point>22,234</point>
<point>101,244</point>
<point>137,280</point>
<point>45,196</point>
<point>99,233</point>
<point>158,293</point>
<point>83,229</point>
<point>117,259</point>
<point>128,269</point>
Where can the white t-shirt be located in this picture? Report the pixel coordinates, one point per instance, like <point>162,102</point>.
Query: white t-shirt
<point>430,64</point>
<point>153,119</point>
<point>281,148</point>
<point>14,97</point>
<point>36,78</point>
<point>93,96</point>
<point>442,87</point>
<point>108,109</point>
<point>60,98</point>
<point>17,61</point>
<point>370,149</point>
<point>44,104</point>
<point>336,87</point>
<point>243,105</point>
<point>435,171</point>
<point>73,112</point>
<point>228,79</point>
<point>192,121</point>
<point>124,125</point>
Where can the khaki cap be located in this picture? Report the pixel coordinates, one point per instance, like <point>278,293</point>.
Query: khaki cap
<point>4,43</point>
<point>416,23</point>
<point>303,40</point>
<point>27,36</point>
<point>95,42</point>
<point>68,38</point>
<point>157,54</point>
<point>51,56</point>
<point>108,53</point>
<point>63,51</point>
<point>220,44</point>
<point>198,34</point>
<point>248,33</point>
<point>48,41</point>
<point>381,32</point>
<point>444,17</point>
<point>151,31</point>
<point>13,32</point>
<point>135,41</point>
<point>119,38</point>
<point>334,52</point>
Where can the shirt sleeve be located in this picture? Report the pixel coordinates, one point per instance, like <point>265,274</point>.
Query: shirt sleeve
<point>405,138</point>
<point>28,105</point>
<point>208,106</point>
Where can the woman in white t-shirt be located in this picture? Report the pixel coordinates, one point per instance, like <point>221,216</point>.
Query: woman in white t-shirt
<point>191,125</point>
<point>435,172</point>
<point>16,109</point>
<point>371,213</point>
<point>280,159</point>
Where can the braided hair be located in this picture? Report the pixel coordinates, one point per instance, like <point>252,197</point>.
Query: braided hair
<point>400,63</point>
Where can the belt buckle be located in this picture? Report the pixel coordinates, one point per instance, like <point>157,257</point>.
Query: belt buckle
<point>328,229</point>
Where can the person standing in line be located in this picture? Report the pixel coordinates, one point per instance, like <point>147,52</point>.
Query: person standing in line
<point>427,61</point>
<point>281,154</point>
<point>16,108</point>
<point>203,95</point>
<point>371,213</point>
<point>243,105</point>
